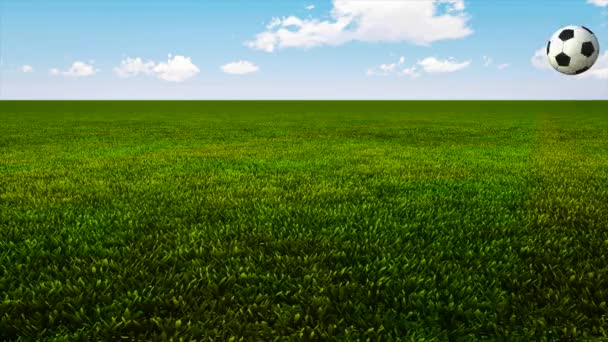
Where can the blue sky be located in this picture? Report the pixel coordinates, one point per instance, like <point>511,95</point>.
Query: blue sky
<point>277,49</point>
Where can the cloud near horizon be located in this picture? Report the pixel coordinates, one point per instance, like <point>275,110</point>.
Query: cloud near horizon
<point>429,65</point>
<point>77,69</point>
<point>240,68</point>
<point>419,22</point>
<point>489,61</point>
<point>539,59</point>
<point>434,65</point>
<point>392,68</point>
<point>176,69</point>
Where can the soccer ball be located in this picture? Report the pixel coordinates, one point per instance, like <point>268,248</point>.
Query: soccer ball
<point>573,50</point>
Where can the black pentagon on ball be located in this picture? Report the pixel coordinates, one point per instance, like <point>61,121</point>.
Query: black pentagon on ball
<point>587,49</point>
<point>548,47</point>
<point>588,30</point>
<point>580,71</point>
<point>566,34</point>
<point>562,59</point>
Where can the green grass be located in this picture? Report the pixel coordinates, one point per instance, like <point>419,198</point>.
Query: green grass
<point>305,220</point>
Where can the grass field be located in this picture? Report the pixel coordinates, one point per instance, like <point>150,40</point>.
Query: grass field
<point>305,220</point>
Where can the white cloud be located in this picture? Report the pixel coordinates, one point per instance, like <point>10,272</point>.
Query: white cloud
<point>600,3</point>
<point>292,21</point>
<point>274,23</point>
<point>434,65</point>
<point>428,65</point>
<point>489,61</point>
<point>310,7</point>
<point>239,68</point>
<point>133,67</point>
<point>78,69</point>
<point>386,69</point>
<point>420,22</point>
<point>411,71</point>
<point>599,69</point>
<point>264,41</point>
<point>175,69</point>
<point>540,60</point>
<point>27,68</point>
